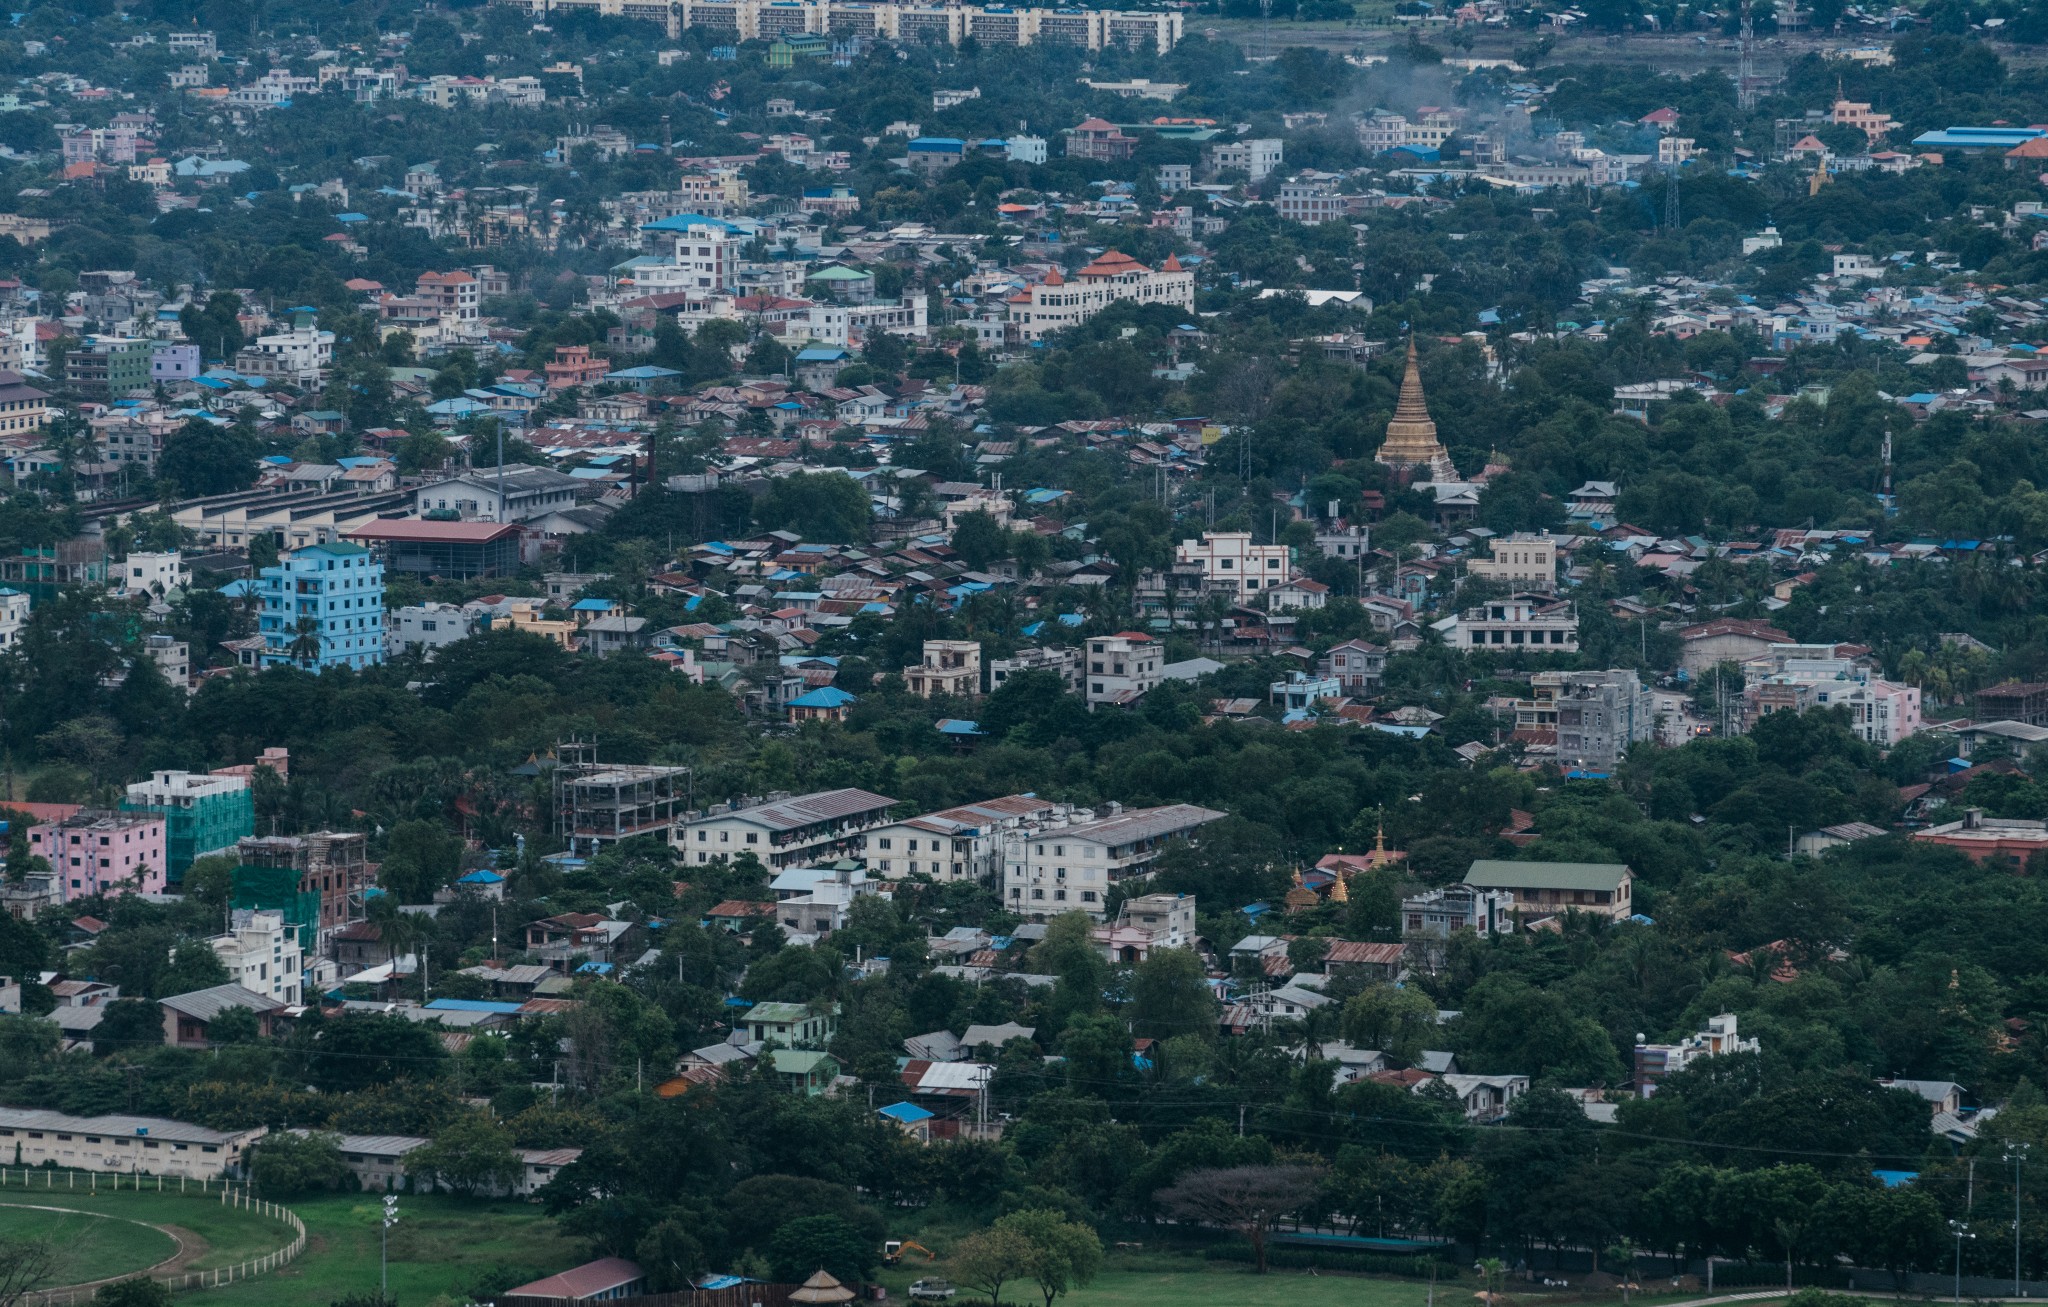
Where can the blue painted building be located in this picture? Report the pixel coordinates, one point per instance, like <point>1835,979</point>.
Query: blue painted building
<point>321,607</point>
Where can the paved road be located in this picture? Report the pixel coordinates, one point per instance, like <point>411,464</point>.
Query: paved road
<point>1675,716</point>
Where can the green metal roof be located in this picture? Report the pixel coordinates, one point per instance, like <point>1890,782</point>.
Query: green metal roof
<point>776,1012</point>
<point>799,1061</point>
<point>1492,873</point>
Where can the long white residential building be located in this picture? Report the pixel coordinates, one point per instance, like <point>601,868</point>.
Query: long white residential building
<point>764,20</point>
<point>146,1145</point>
<point>1058,868</point>
<point>810,829</point>
<point>1058,302</point>
<point>963,843</point>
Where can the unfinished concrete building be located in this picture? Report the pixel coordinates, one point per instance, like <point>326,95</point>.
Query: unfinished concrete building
<point>325,873</point>
<point>599,804</point>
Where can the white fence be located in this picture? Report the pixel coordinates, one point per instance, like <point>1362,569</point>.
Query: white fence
<point>229,1194</point>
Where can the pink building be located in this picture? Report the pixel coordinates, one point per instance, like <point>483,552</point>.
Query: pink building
<point>100,852</point>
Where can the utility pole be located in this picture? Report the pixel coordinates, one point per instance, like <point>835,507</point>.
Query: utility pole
<point>384,1250</point>
<point>2016,1153</point>
<point>1962,1232</point>
<point>1745,90</point>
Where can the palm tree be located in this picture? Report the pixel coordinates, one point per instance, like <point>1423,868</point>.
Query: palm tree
<point>305,645</point>
<point>401,933</point>
<point>1491,1271</point>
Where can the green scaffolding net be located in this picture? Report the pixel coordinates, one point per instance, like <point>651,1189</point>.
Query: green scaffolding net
<point>276,889</point>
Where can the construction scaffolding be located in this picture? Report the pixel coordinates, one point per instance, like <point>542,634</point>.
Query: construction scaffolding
<point>597,804</point>
<point>326,874</point>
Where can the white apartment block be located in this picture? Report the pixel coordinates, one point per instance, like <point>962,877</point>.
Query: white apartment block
<point>1067,868</point>
<point>153,573</point>
<point>428,627</point>
<point>810,829</point>
<point>14,606</point>
<point>1229,558</point>
<point>1257,159</point>
<point>262,955</point>
<point>1311,202</point>
<point>1057,303</point>
<point>704,257</point>
<point>1527,562</point>
<point>963,843</point>
<point>1522,621</point>
<point>297,357</point>
<point>764,20</point>
<point>1065,663</point>
<point>122,1144</point>
<point>1122,668</point>
<point>1351,542</point>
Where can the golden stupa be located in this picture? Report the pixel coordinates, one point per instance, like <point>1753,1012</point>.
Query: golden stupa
<point>1411,434</point>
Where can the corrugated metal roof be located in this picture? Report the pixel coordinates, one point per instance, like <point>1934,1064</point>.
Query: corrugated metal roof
<point>1490,873</point>
<point>154,1127</point>
<point>808,809</point>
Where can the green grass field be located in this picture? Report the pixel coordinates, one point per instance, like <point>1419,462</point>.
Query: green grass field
<point>92,1246</point>
<point>1149,1279</point>
<point>230,1234</point>
<point>441,1247</point>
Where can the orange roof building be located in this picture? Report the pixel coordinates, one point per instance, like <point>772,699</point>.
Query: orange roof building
<point>1057,303</point>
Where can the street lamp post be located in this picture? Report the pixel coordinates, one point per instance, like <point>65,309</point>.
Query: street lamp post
<point>384,1252</point>
<point>2016,1153</point>
<point>1961,1232</point>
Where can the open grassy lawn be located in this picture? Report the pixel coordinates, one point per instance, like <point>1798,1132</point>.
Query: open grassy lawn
<point>441,1247</point>
<point>230,1234</point>
<point>1167,1280</point>
<point>92,1246</point>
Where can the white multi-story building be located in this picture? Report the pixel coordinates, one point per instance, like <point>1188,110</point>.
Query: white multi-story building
<point>1229,558</point>
<point>261,952</point>
<point>763,20</point>
<point>1653,1062</point>
<point>1025,149</point>
<point>1311,202</point>
<point>787,832</point>
<point>1797,678</point>
<point>1522,621</point>
<point>963,843</point>
<point>949,667</point>
<point>1066,663</point>
<point>1057,303</point>
<point>703,255</point>
<point>1256,159</point>
<point>14,606</point>
<point>154,573</point>
<point>1381,131</point>
<point>428,627</point>
<point>297,357</point>
<point>1071,868</point>
<point>1121,668</point>
<point>1525,561</point>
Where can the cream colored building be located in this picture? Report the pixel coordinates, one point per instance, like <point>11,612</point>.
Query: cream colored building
<point>950,667</point>
<point>1057,868</point>
<point>1058,303</point>
<point>142,1145</point>
<point>1230,558</point>
<point>764,20</point>
<point>1527,562</point>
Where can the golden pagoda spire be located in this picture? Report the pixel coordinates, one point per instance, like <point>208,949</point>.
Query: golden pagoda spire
<point>1379,843</point>
<point>1411,434</point>
<point>1339,894</point>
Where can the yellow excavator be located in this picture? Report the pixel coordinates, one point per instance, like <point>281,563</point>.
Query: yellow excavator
<point>894,1249</point>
